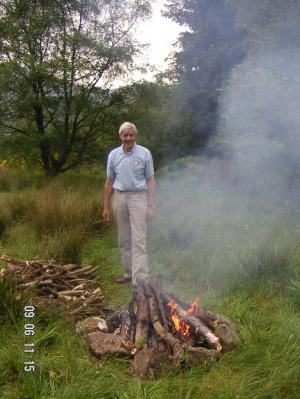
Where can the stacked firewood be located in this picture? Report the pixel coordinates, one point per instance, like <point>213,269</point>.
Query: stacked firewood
<point>71,285</point>
<point>158,329</point>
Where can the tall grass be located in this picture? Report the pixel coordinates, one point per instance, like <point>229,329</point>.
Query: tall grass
<point>13,208</point>
<point>270,258</point>
<point>11,305</point>
<point>5,217</point>
<point>63,219</point>
<point>20,180</point>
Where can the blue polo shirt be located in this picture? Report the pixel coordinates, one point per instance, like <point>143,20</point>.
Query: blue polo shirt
<point>130,171</point>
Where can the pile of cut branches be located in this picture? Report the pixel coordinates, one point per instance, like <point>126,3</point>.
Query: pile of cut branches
<point>73,287</point>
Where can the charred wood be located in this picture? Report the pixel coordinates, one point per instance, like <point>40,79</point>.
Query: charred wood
<point>157,290</point>
<point>114,319</point>
<point>125,324</point>
<point>132,309</point>
<point>174,343</point>
<point>142,317</point>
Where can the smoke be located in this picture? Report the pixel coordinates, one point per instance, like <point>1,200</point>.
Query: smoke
<point>259,124</point>
<point>220,220</point>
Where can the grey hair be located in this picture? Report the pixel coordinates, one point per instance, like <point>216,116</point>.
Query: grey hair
<point>126,126</point>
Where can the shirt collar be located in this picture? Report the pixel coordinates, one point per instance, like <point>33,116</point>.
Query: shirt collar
<point>131,151</point>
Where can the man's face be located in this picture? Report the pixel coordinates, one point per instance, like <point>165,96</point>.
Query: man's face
<point>128,138</point>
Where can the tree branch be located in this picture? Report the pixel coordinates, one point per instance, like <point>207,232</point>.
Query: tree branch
<point>16,129</point>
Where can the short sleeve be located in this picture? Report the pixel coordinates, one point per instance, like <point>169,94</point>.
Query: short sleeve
<point>110,172</point>
<point>149,168</point>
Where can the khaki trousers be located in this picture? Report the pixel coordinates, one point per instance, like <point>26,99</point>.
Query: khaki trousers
<point>129,210</point>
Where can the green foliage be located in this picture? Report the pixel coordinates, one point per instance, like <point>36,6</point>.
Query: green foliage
<point>58,61</point>
<point>148,105</point>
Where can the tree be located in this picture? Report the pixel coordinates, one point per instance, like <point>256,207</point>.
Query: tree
<point>219,36</point>
<point>211,45</point>
<point>58,63</point>
<point>147,103</point>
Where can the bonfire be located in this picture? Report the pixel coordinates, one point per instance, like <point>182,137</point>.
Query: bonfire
<point>157,330</point>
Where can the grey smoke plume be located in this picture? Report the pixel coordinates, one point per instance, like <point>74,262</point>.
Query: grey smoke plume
<point>222,219</point>
<point>260,124</point>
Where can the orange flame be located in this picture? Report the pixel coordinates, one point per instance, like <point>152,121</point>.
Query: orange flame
<point>194,306</point>
<point>180,326</point>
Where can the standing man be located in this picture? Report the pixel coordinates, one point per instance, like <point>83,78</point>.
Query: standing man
<point>130,178</point>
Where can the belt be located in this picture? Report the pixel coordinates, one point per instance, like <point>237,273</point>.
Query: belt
<point>131,191</point>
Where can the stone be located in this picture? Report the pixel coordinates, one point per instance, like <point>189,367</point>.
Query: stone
<point>104,343</point>
<point>149,362</point>
<point>228,337</point>
<point>91,324</point>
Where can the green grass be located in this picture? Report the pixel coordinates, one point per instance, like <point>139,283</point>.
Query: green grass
<point>102,251</point>
<point>254,281</point>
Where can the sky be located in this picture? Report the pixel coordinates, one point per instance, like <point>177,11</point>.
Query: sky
<point>160,33</point>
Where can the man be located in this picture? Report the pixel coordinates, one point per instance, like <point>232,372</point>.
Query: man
<point>130,178</point>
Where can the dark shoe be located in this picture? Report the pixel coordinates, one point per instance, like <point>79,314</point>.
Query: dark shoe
<point>123,280</point>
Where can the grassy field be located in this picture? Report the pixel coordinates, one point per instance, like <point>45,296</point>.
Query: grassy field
<point>241,256</point>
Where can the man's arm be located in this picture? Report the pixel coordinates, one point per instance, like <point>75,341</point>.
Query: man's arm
<point>151,197</point>
<point>108,189</point>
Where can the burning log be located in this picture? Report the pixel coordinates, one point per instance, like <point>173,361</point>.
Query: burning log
<point>199,327</point>
<point>177,349</point>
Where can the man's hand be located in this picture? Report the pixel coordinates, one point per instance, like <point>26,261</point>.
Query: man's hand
<point>150,197</point>
<point>149,212</point>
<point>106,214</point>
<point>108,188</point>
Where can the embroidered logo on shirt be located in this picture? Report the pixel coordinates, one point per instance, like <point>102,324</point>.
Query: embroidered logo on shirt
<point>135,162</point>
